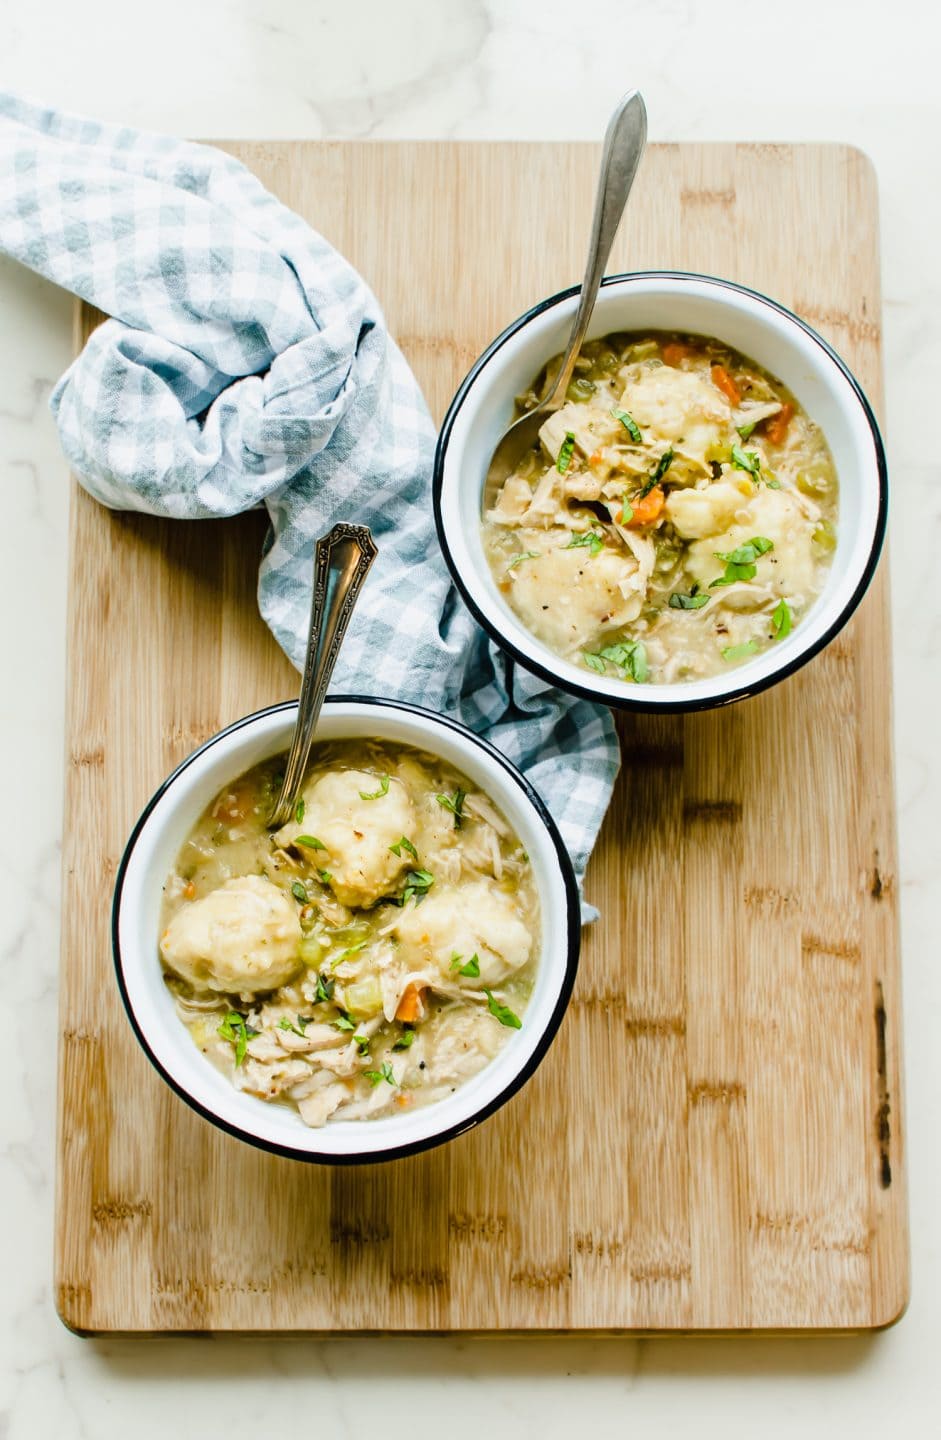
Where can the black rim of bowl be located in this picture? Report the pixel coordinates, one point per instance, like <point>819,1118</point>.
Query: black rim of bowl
<point>572,947</point>
<point>630,700</point>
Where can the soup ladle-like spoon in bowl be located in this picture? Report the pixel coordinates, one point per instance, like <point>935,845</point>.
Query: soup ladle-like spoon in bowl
<point>342,559</point>
<point>624,143</point>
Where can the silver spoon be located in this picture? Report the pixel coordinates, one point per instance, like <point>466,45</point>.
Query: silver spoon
<point>341,563</point>
<point>624,143</point>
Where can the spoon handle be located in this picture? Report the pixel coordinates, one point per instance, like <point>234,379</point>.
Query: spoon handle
<point>341,563</point>
<point>624,143</point>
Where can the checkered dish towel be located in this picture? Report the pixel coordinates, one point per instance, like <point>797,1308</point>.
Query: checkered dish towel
<point>247,363</point>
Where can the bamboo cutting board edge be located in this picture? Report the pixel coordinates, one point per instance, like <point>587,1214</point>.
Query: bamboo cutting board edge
<point>699,172</point>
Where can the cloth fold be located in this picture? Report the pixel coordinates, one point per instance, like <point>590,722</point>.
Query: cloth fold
<point>246,363</point>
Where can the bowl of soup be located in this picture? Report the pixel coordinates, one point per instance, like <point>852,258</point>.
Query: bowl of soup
<point>371,979</point>
<point>699,518</point>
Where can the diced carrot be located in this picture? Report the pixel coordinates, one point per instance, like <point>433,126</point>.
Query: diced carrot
<point>648,510</point>
<point>776,427</point>
<point>674,351</point>
<point>723,381</point>
<point>411,1006</point>
<point>596,458</point>
<point>189,890</point>
<point>403,1101</point>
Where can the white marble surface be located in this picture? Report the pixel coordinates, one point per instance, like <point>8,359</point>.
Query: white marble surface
<point>856,71</point>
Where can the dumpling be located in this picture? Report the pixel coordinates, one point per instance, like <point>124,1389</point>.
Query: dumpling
<point>679,406</point>
<point>567,596</point>
<point>473,919</point>
<point>776,515</point>
<point>240,939</point>
<point>697,513</point>
<point>356,834</point>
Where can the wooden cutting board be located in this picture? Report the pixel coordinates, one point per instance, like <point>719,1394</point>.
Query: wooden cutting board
<point>715,1140</point>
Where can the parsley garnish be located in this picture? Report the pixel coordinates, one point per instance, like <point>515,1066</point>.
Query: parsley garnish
<point>663,465</point>
<point>692,601</point>
<point>362,1044</point>
<point>350,950</point>
<point>417,882</point>
<point>740,563</point>
<point>523,555</point>
<point>471,969</point>
<point>311,842</point>
<point>375,1077</point>
<point>503,1012</point>
<point>299,811</point>
<point>630,425</point>
<point>404,844</point>
<point>782,619</point>
<point>627,511</point>
<point>628,656</point>
<point>238,1033</point>
<point>746,460</point>
<point>404,1040</point>
<point>299,892</point>
<point>592,538</point>
<point>325,988</point>
<point>325,876</point>
<point>565,453</point>
<point>302,1021</point>
<point>739,652</point>
<point>454,803</point>
<point>343,1022</point>
<point>376,794</point>
<point>745,430</point>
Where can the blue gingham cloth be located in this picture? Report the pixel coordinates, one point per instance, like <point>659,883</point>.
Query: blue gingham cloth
<point>246,363</point>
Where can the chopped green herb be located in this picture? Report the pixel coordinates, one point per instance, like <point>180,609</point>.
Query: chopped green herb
<point>310,841</point>
<point>350,950</point>
<point>235,1029</point>
<point>740,563</point>
<point>629,656</point>
<point>782,619</point>
<point>773,484</point>
<point>692,601</point>
<point>454,803</point>
<point>299,892</point>
<point>325,876</point>
<point>593,539</point>
<point>594,662</point>
<point>746,460</point>
<point>299,811</point>
<point>375,1077</point>
<point>417,882</point>
<point>325,988</point>
<point>565,453</point>
<point>302,1022</point>
<point>503,1012</point>
<point>739,652</point>
<point>523,555</point>
<point>362,1044</point>
<point>404,844</point>
<point>663,465</point>
<point>627,511</point>
<point>343,1022</point>
<point>405,1040</point>
<point>745,430</point>
<point>376,794</point>
<point>471,969</point>
<point>630,425</point>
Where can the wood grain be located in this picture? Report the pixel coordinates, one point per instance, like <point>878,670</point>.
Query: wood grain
<point>715,1141</point>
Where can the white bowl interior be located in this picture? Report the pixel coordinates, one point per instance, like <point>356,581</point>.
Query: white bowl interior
<point>699,306</point>
<point>152,857</point>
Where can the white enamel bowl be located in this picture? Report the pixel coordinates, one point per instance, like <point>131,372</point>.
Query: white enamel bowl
<point>149,858</point>
<point>695,304</point>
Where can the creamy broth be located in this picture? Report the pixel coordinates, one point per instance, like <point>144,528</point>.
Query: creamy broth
<point>677,517</point>
<point>370,956</point>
